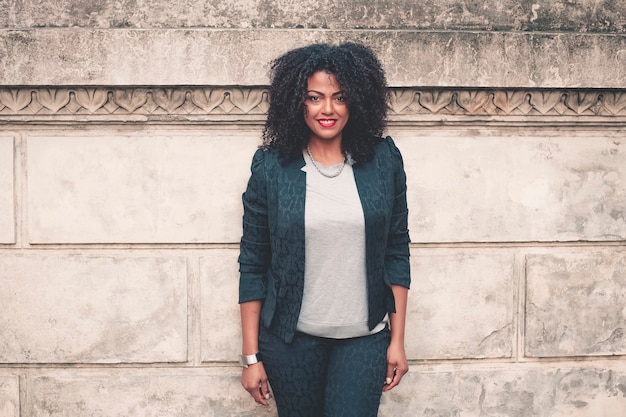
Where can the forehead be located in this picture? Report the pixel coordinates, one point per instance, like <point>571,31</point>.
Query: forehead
<point>323,80</point>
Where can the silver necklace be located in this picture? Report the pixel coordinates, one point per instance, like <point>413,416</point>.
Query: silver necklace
<point>321,171</point>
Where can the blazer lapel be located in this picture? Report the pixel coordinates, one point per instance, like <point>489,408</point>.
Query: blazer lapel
<point>292,190</point>
<point>291,200</point>
<point>369,186</point>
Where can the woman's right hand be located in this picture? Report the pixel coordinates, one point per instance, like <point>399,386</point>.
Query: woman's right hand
<point>254,380</point>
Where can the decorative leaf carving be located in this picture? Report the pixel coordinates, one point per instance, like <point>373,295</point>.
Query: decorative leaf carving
<point>169,98</point>
<point>15,99</point>
<point>227,105</point>
<point>264,106</point>
<point>580,101</point>
<point>53,99</point>
<point>472,101</point>
<point>246,99</point>
<point>544,101</point>
<point>130,99</point>
<point>435,100</point>
<point>400,99</point>
<point>91,98</point>
<point>507,101</point>
<point>614,102</point>
<point>207,98</point>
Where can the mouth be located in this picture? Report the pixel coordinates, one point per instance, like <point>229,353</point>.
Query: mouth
<point>327,122</point>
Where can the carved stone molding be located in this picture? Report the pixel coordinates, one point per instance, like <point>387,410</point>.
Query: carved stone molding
<point>504,102</point>
<point>98,101</point>
<point>250,103</point>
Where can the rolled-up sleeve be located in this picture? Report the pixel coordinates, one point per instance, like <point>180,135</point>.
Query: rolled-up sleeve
<point>397,252</point>
<point>255,252</point>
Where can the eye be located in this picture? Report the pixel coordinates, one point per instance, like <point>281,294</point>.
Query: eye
<point>313,98</point>
<point>341,99</point>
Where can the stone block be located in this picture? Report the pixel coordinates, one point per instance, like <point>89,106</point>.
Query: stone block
<point>461,304</point>
<point>210,392</point>
<point>456,309</point>
<point>576,303</point>
<point>508,390</point>
<point>9,396</point>
<point>221,326</point>
<point>549,15</point>
<point>511,391</point>
<point>514,187</point>
<point>92,308</point>
<point>97,57</point>
<point>376,14</point>
<point>7,193</point>
<point>138,188</point>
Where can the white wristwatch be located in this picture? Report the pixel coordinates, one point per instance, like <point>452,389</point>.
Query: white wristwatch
<point>247,360</point>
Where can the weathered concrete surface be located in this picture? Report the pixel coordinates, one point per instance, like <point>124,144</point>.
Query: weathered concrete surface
<point>221,329</point>
<point>576,303</point>
<point>209,392</point>
<point>78,56</point>
<point>101,308</point>
<point>503,390</point>
<point>528,15</point>
<point>462,304</point>
<point>544,185</point>
<point>151,187</point>
<point>511,391</point>
<point>9,396</point>
<point>7,196</point>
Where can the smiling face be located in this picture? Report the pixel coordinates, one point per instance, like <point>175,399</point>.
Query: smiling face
<point>326,110</point>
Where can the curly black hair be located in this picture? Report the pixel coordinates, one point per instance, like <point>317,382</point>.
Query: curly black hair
<point>362,80</point>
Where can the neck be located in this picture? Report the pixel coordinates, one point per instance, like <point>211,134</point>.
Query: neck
<point>326,152</point>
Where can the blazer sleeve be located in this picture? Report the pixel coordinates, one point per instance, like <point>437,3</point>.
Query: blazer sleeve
<point>255,253</point>
<point>397,252</point>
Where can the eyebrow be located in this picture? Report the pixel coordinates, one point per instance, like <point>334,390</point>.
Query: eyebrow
<point>320,93</point>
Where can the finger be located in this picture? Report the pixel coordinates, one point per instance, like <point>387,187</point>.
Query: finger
<point>255,392</point>
<point>259,397</point>
<point>265,390</point>
<point>391,371</point>
<point>399,373</point>
<point>395,380</point>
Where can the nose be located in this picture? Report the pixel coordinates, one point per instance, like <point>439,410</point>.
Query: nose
<point>328,106</point>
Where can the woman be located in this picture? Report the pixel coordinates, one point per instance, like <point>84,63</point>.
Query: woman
<point>324,256</point>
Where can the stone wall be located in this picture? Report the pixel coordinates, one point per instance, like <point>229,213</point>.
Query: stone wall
<point>126,132</point>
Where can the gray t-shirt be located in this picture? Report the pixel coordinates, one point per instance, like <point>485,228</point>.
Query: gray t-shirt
<point>335,289</point>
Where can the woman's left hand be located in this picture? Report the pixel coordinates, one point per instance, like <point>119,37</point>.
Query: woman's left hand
<point>397,365</point>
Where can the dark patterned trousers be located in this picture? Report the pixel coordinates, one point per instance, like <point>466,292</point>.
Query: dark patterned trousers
<point>320,377</point>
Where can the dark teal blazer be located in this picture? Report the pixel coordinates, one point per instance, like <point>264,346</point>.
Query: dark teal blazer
<point>271,259</point>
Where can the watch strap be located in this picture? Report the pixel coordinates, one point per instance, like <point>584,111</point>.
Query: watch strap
<point>247,360</point>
